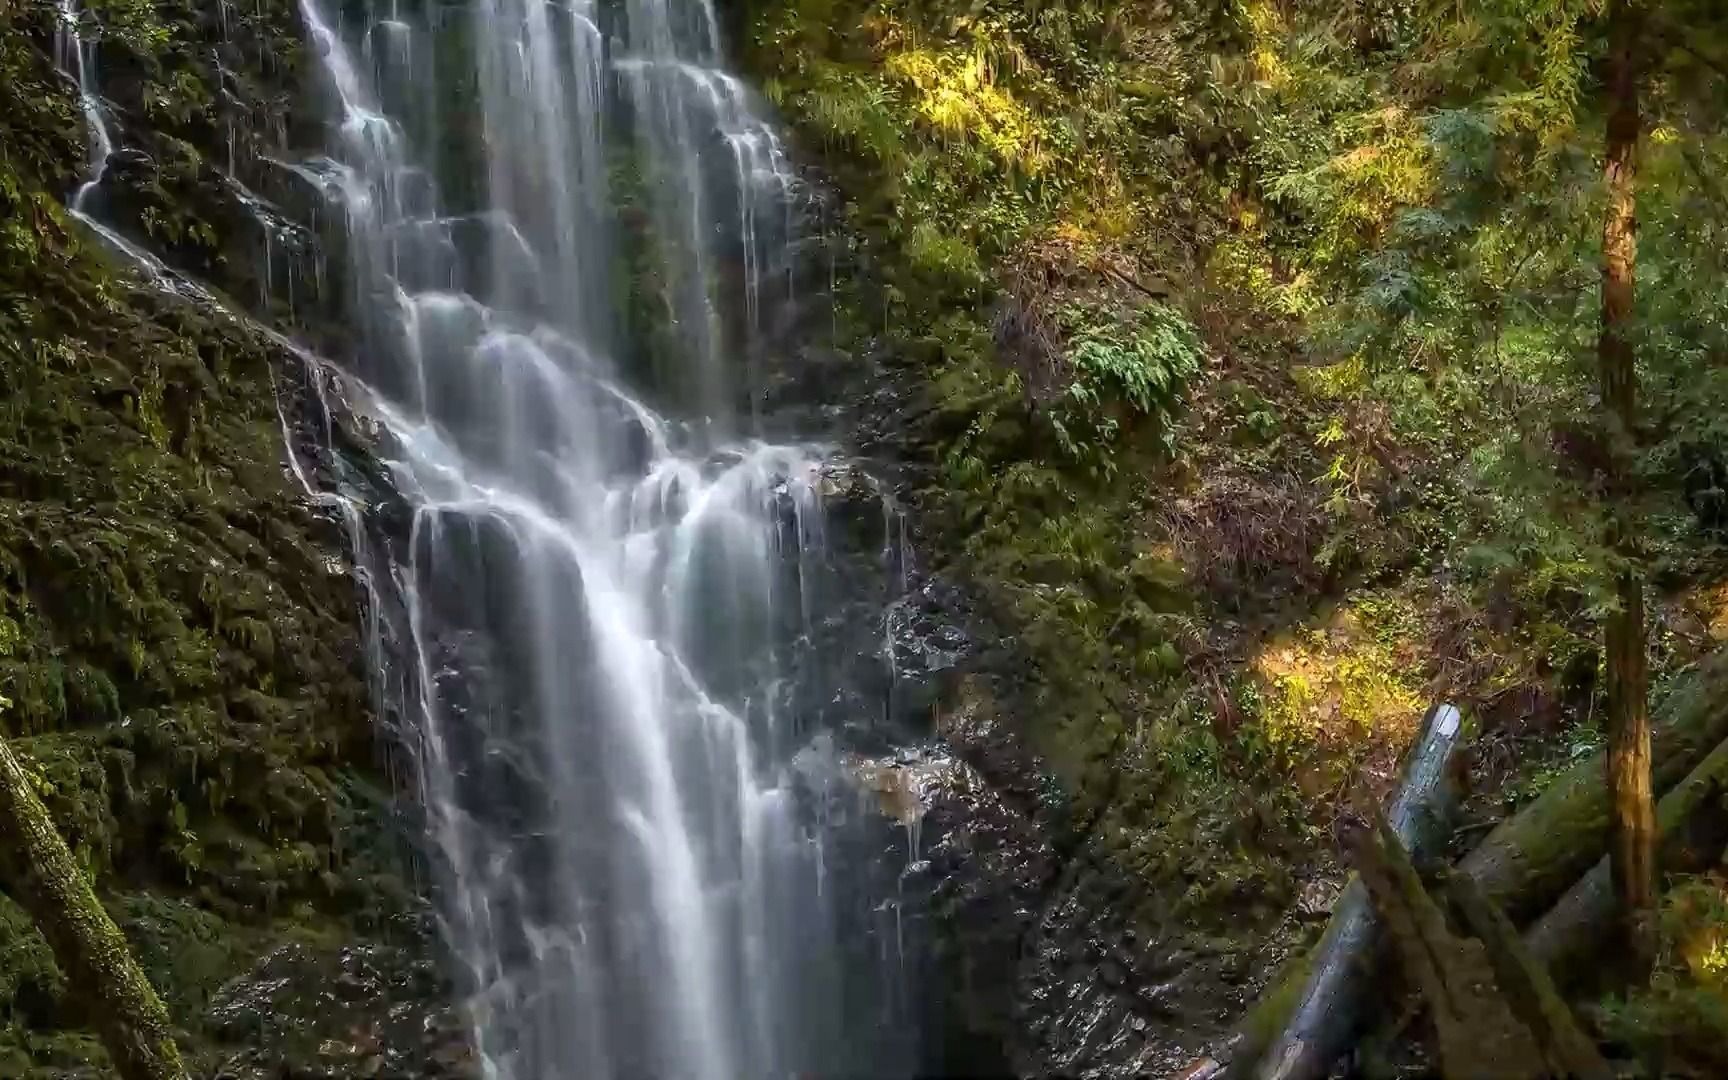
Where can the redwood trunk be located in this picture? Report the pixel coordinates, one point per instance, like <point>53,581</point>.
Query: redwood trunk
<point>1633,846</point>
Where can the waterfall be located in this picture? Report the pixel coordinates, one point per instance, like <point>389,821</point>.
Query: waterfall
<point>610,577</point>
<point>74,55</point>
<point>649,858</point>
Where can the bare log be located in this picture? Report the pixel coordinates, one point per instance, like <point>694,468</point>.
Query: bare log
<point>1527,987</point>
<point>1531,858</point>
<point>45,879</point>
<point>1327,1011</point>
<point>1692,821</point>
<point>1477,1036</point>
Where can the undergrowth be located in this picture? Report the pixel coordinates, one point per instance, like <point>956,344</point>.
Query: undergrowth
<point>1250,389</point>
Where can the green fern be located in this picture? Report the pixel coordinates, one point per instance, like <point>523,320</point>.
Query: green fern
<point>1123,374</point>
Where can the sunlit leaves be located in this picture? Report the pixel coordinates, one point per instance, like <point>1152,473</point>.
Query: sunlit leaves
<point>956,93</point>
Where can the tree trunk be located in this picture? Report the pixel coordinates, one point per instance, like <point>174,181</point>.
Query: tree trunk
<point>1633,847</point>
<point>1531,858</point>
<point>43,876</point>
<point>1693,823</point>
<point>1327,1015</point>
<point>1522,867</point>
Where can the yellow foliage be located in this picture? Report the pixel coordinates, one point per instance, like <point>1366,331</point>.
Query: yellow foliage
<point>1392,168</point>
<point>1243,262</point>
<point>1335,382</point>
<point>1707,958</point>
<point>1342,685</point>
<point>1302,297</point>
<point>1263,18</point>
<point>1697,925</point>
<point>1708,604</point>
<point>958,96</point>
<point>1266,28</point>
<point>1269,67</point>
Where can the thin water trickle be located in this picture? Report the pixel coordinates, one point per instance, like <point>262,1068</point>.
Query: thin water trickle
<point>76,57</point>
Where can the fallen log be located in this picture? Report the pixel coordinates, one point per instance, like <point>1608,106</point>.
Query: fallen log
<point>1521,867</point>
<point>1477,1032</point>
<point>1330,1002</point>
<point>47,882</point>
<point>1528,987</point>
<point>1531,858</point>
<point>1692,826</point>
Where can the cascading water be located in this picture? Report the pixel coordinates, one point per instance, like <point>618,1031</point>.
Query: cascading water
<point>618,715</point>
<point>75,56</point>
<point>632,802</point>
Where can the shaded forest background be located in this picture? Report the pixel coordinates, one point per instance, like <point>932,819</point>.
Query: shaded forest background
<point>1244,356</point>
<point>1257,348</point>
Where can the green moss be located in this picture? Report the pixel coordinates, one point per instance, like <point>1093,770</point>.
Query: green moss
<point>1267,1018</point>
<point>182,661</point>
<point>31,986</point>
<point>1678,1025</point>
<point>187,950</point>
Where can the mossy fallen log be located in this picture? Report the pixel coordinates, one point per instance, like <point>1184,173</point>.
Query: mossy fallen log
<point>47,881</point>
<point>1528,987</point>
<point>1692,825</point>
<point>1478,1034</point>
<point>1317,1011</point>
<point>1531,858</point>
<point>1521,868</point>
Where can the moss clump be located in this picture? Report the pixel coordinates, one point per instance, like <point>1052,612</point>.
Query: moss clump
<point>31,986</point>
<point>1678,1025</point>
<point>186,949</point>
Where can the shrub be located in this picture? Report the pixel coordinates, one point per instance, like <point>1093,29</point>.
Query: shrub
<point>1122,373</point>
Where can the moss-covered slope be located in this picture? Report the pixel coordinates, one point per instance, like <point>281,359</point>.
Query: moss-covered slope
<point>179,638</point>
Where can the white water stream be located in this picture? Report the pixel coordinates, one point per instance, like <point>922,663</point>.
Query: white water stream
<point>606,605</point>
<point>633,885</point>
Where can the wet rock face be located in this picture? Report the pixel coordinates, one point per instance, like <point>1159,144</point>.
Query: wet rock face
<point>309,1011</point>
<point>1030,960</point>
<point>203,101</point>
<point>1037,969</point>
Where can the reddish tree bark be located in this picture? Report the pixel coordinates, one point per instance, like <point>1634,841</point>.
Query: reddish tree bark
<point>1633,847</point>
